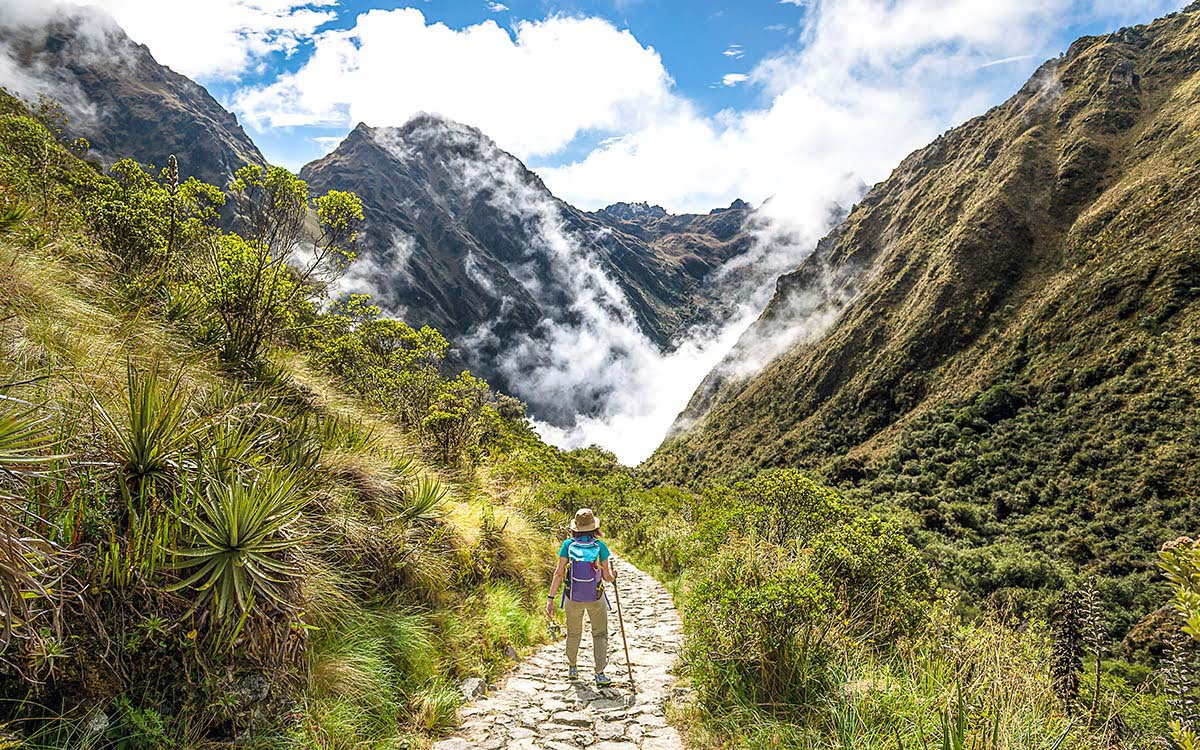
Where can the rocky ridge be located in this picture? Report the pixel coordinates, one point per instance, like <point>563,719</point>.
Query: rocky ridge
<point>121,99</point>
<point>461,236</point>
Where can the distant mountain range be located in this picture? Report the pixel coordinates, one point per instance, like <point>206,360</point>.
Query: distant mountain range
<point>461,236</point>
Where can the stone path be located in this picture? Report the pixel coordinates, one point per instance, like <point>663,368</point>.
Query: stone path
<point>538,708</point>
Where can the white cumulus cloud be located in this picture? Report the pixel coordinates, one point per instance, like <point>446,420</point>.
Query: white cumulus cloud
<point>533,89</point>
<point>866,82</point>
<point>209,39</point>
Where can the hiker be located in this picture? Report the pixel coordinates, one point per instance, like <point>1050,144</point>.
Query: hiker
<point>587,560</point>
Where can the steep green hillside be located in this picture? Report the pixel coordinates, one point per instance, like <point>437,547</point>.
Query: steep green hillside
<point>1013,369</point>
<point>216,526</point>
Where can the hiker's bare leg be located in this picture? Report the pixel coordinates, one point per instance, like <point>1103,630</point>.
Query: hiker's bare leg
<point>574,612</point>
<point>598,616</point>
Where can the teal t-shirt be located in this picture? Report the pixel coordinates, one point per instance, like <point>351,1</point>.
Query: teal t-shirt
<point>562,552</point>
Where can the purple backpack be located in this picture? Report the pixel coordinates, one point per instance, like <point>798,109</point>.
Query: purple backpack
<point>583,571</point>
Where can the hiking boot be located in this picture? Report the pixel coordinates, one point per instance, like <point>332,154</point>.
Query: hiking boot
<point>603,680</point>
<point>572,673</point>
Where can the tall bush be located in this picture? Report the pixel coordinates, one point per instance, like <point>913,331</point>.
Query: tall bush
<point>759,623</point>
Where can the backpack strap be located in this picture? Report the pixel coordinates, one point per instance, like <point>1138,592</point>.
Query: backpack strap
<point>566,586</point>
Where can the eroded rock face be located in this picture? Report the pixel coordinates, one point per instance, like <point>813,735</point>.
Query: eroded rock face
<point>461,236</point>
<point>1124,73</point>
<point>120,98</point>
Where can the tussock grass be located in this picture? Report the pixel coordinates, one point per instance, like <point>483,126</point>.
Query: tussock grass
<point>375,678</point>
<point>404,589</point>
<point>983,684</point>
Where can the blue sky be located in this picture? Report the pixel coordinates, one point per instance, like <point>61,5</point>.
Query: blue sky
<point>629,99</point>
<point>699,42</point>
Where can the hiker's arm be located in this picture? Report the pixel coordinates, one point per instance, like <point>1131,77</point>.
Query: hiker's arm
<point>559,572</point>
<point>606,570</point>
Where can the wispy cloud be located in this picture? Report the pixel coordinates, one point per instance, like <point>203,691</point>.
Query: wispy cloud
<point>532,88</point>
<point>214,39</point>
<point>871,81</point>
<point>497,7</point>
<point>733,79</point>
<point>327,142</point>
<point>734,51</point>
<point>1006,60</point>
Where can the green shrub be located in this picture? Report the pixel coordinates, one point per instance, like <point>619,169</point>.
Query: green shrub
<point>885,585</point>
<point>759,621</point>
<point>255,285</point>
<point>399,368</point>
<point>783,504</point>
<point>142,223</point>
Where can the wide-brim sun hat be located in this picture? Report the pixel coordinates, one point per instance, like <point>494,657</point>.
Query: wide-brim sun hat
<point>585,520</point>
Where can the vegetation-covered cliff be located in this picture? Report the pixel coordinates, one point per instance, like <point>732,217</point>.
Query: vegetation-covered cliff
<point>1012,368</point>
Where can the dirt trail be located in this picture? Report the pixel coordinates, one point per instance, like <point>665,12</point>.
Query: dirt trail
<point>537,707</point>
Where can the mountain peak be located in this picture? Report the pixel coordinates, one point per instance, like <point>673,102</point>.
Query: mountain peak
<point>120,98</point>
<point>631,211</point>
<point>737,205</point>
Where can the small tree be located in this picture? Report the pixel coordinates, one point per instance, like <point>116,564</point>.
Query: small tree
<point>386,360</point>
<point>261,281</point>
<point>784,504</point>
<point>34,161</point>
<point>143,223</point>
<point>250,296</point>
<point>455,416</point>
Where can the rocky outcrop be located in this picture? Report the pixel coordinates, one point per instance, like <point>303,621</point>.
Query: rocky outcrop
<point>461,236</point>
<point>634,211</point>
<point>121,99</point>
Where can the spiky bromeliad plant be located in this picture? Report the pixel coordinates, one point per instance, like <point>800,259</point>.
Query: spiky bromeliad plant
<point>11,215</point>
<point>242,544</point>
<point>148,446</point>
<point>423,500</point>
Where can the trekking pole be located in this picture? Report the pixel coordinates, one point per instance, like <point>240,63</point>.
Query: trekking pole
<point>624,640</point>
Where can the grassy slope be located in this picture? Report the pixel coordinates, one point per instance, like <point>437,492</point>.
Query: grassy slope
<point>1048,248</point>
<point>399,612</point>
